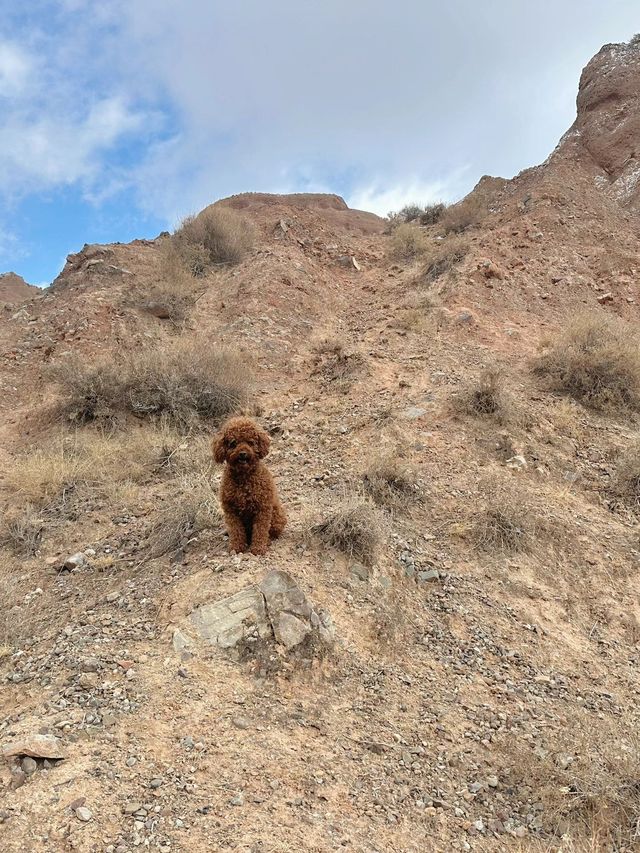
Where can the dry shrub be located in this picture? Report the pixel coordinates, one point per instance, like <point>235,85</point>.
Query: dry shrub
<point>176,289</point>
<point>21,530</point>
<point>587,779</point>
<point>432,213</point>
<point>218,235</point>
<point>180,384</point>
<point>391,484</point>
<point>596,360</point>
<point>335,364</point>
<point>626,485</point>
<point>505,521</point>
<point>444,255</point>
<point>458,217</point>
<point>486,397</point>
<point>408,242</point>
<point>46,475</point>
<point>192,508</point>
<point>356,528</point>
<point>23,614</point>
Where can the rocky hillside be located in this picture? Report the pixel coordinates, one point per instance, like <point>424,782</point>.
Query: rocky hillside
<point>441,652</point>
<point>13,288</point>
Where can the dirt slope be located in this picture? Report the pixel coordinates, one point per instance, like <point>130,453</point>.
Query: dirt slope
<point>14,289</point>
<point>474,700</point>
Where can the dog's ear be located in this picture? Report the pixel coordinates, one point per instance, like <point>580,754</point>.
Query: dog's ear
<point>218,448</point>
<point>263,443</point>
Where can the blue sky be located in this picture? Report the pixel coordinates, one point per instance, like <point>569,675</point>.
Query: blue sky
<point>118,117</point>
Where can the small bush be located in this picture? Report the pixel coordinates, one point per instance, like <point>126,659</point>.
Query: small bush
<point>21,530</point>
<point>505,522</point>
<point>485,398</point>
<point>178,384</point>
<point>390,484</point>
<point>458,217</point>
<point>193,508</point>
<point>355,529</point>
<point>596,360</point>
<point>175,290</point>
<point>627,479</point>
<point>218,235</point>
<point>444,255</point>
<point>335,365</point>
<point>432,213</point>
<point>408,242</point>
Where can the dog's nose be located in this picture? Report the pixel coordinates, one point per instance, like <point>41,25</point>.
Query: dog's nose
<point>243,456</point>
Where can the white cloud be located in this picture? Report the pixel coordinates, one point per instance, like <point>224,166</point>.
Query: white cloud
<point>16,68</point>
<point>382,199</point>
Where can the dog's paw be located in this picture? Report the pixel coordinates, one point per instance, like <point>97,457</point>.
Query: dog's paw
<point>259,550</point>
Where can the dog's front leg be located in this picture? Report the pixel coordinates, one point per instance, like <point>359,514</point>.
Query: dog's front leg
<point>237,533</point>
<point>260,532</point>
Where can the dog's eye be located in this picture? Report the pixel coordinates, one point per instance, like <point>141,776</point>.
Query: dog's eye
<point>232,442</point>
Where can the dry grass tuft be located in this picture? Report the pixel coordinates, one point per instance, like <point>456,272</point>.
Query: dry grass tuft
<point>23,614</point>
<point>178,384</point>
<point>505,521</point>
<point>21,530</point>
<point>176,290</point>
<point>444,255</point>
<point>596,360</point>
<point>587,780</point>
<point>626,485</point>
<point>391,484</point>
<point>334,364</point>
<point>356,529</point>
<point>458,217</point>
<point>216,236</point>
<point>193,507</point>
<point>485,398</point>
<point>408,242</point>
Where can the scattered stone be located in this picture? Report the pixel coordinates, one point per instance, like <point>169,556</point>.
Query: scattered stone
<point>516,463</point>
<point>238,800</point>
<point>348,261</point>
<point>414,412</point>
<point>428,576</point>
<point>75,561</point>
<point>84,814</point>
<point>291,616</point>
<point>155,783</point>
<point>37,746</point>
<point>29,765</point>
<point>465,318</point>
<point>359,572</point>
<point>605,297</point>
<point>241,722</point>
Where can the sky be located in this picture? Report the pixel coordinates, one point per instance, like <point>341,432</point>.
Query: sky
<point>120,117</point>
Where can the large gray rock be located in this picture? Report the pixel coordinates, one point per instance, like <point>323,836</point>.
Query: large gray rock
<point>277,608</point>
<point>36,746</point>
<point>226,622</point>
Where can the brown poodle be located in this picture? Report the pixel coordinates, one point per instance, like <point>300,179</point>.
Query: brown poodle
<point>252,510</point>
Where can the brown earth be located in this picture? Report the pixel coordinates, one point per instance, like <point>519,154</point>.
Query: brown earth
<point>474,700</point>
<point>13,289</point>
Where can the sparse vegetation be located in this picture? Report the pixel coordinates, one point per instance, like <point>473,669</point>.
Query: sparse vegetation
<point>505,521</point>
<point>355,529</point>
<point>444,255</point>
<point>179,384</point>
<point>217,235</point>
<point>335,364</point>
<point>596,360</point>
<point>626,484</point>
<point>458,217</point>
<point>391,484</point>
<point>408,242</point>
<point>21,530</point>
<point>486,397</point>
<point>176,289</point>
<point>192,508</point>
<point>432,213</point>
<point>586,780</point>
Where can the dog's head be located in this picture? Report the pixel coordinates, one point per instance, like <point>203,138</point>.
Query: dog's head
<point>240,443</point>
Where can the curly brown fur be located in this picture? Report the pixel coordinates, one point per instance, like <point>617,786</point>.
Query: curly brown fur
<point>252,510</point>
